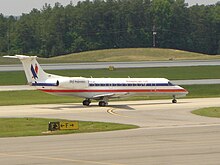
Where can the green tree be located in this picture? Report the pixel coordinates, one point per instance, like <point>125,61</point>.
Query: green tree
<point>179,26</point>
<point>4,34</point>
<point>103,24</point>
<point>203,29</point>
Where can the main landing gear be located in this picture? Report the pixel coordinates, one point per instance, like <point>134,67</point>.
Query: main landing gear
<point>174,100</point>
<point>86,102</point>
<point>102,103</point>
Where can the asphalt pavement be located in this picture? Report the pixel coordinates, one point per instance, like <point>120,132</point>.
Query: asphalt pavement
<point>168,134</point>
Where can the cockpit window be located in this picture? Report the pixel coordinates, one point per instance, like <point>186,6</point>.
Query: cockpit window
<point>170,84</point>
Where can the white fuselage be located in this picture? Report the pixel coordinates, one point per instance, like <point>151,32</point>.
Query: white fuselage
<point>111,87</point>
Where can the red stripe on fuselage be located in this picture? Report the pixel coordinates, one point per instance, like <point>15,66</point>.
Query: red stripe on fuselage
<point>111,90</point>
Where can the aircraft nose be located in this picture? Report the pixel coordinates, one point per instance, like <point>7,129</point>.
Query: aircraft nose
<point>185,91</point>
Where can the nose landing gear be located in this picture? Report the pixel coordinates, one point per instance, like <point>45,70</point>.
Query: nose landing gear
<point>174,100</point>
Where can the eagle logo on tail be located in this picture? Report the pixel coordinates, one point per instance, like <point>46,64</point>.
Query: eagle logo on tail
<point>34,71</point>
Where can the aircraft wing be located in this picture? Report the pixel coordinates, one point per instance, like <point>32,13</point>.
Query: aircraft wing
<point>110,95</point>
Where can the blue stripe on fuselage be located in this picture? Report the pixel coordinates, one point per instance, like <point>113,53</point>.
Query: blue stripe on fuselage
<point>130,84</point>
<point>44,84</point>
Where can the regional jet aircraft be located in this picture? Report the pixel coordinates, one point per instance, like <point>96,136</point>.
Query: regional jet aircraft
<point>101,89</point>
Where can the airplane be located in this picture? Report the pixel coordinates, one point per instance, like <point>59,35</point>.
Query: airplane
<point>101,89</point>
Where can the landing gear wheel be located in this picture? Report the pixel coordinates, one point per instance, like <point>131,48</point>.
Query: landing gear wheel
<point>86,102</point>
<point>174,101</point>
<point>102,103</point>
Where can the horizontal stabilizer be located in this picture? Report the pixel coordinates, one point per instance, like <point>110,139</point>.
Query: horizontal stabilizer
<point>21,57</point>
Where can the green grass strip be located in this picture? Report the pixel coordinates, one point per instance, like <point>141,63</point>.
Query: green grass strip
<point>15,127</point>
<point>172,73</point>
<point>208,112</point>
<point>33,97</point>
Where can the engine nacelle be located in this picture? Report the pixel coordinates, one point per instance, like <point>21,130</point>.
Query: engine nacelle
<point>73,83</point>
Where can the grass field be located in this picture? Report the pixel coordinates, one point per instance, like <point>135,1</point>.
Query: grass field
<point>208,112</point>
<point>128,54</point>
<point>14,127</point>
<point>172,73</point>
<point>37,97</point>
<point>33,97</point>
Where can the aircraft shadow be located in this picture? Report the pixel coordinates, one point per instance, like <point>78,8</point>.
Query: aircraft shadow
<point>63,106</point>
<point>127,107</point>
<point>68,106</point>
<point>165,103</point>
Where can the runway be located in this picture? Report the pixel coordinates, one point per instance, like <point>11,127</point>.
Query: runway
<point>168,134</point>
<point>100,65</point>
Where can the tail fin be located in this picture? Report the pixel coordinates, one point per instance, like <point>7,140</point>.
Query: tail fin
<point>33,70</point>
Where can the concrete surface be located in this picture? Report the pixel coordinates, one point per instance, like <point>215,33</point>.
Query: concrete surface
<point>168,134</point>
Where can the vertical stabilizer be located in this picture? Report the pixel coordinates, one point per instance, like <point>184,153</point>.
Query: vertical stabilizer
<point>33,71</point>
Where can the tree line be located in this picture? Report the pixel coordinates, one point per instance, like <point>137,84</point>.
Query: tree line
<point>104,24</point>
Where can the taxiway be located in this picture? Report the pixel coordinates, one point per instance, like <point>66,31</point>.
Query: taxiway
<point>168,134</point>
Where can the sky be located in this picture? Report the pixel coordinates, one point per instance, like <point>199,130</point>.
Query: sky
<point>17,7</point>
